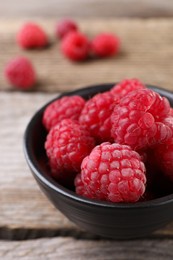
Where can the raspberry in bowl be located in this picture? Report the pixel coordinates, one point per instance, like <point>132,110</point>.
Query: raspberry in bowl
<point>120,191</point>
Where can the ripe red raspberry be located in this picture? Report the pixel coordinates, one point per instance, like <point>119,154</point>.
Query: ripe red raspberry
<point>112,172</point>
<point>66,145</point>
<point>138,119</point>
<point>164,157</point>
<point>126,86</point>
<point>105,45</point>
<point>20,73</point>
<point>75,46</point>
<point>64,27</point>
<point>96,116</point>
<point>65,107</point>
<point>32,35</point>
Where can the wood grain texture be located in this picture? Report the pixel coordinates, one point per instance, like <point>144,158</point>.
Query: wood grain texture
<point>85,8</point>
<point>146,53</point>
<point>25,212</point>
<point>69,248</point>
<point>21,202</point>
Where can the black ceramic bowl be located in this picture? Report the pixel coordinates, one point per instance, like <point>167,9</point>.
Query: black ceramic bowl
<point>114,220</point>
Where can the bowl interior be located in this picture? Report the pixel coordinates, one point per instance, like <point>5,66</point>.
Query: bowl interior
<point>34,140</point>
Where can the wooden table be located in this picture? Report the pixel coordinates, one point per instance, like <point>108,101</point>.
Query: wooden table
<point>30,227</point>
<point>85,8</point>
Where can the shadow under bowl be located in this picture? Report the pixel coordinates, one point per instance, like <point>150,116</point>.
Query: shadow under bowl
<point>113,220</point>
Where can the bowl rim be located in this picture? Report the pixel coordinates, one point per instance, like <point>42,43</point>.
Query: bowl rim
<point>52,184</point>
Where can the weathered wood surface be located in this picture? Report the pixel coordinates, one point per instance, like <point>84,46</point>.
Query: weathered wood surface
<point>70,248</point>
<point>24,211</point>
<point>22,205</point>
<point>146,53</point>
<point>85,8</point>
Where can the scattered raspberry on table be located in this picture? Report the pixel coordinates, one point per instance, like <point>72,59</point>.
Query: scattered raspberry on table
<point>112,172</point>
<point>20,73</point>
<point>75,46</point>
<point>105,45</point>
<point>31,36</point>
<point>64,27</point>
<point>65,107</point>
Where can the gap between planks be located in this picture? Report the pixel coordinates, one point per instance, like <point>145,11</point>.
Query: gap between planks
<point>20,234</point>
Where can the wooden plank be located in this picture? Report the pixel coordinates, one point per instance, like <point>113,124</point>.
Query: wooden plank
<point>21,202</point>
<point>146,53</point>
<point>94,8</point>
<point>69,248</point>
<point>24,211</point>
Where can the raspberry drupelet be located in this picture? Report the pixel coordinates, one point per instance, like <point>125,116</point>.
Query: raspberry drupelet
<point>112,172</point>
<point>96,115</point>
<point>65,107</point>
<point>66,145</point>
<point>139,120</point>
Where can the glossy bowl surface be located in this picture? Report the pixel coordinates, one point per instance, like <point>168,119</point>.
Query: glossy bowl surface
<point>114,220</point>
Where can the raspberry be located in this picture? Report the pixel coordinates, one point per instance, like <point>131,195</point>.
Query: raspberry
<point>66,145</point>
<point>105,45</point>
<point>138,119</point>
<point>164,156</point>
<point>65,107</point>
<point>126,86</point>
<point>64,27</point>
<point>32,35</point>
<point>75,46</point>
<point>20,73</point>
<point>96,116</point>
<point>112,172</point>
